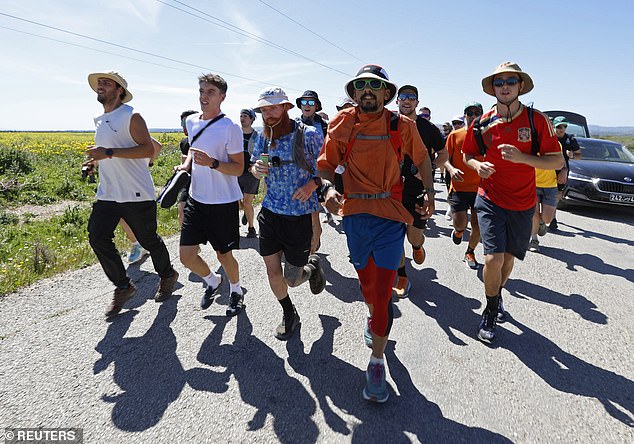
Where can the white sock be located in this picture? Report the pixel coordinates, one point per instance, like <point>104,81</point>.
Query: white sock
<point>213,279</point>
<point>235,288</point>
<point>374,360</point>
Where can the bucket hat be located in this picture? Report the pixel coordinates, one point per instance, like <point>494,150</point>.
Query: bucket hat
<point>271,96</point>
<point>112,75</point>
<point>507,67</point>
<point>308,94</point>
<point>372,72</point>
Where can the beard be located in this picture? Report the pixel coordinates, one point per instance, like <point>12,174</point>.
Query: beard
<point>276,128</point>
<point>368,107</point>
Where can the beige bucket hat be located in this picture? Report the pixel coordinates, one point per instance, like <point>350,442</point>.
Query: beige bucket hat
<point>507,67</point>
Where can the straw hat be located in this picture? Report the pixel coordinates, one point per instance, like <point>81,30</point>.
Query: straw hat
<point>507,67</point>
<point>112,75</point>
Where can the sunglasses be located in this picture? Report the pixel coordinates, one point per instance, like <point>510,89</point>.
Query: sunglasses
<point>473,113</point>
<point>407,96</point>
<point>511,81</point>
<point>373,83</point>
<point>425,115</point>
<point>457,123</point>
<point>307,102</point>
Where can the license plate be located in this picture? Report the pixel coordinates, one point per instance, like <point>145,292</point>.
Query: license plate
<point>622,198</point>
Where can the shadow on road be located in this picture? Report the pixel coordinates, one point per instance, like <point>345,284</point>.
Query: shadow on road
<point>567,373</point>
<point>146,369</point>
<point>339,384</point>
<point>587,261</point>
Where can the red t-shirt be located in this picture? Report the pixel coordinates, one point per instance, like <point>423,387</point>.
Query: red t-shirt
<point>512,186</point>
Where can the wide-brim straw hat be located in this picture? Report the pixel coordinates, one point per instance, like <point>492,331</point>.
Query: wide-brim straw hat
<point>112,75</point>
<point>507,67</point>
<point>372,72</point>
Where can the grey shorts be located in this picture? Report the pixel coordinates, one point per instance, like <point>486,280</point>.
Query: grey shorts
<point>547,196</point>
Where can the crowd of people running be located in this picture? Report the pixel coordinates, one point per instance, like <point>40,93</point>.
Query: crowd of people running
<point>370,166</point>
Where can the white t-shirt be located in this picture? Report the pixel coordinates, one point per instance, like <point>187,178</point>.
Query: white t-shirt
<point>121,180</point>
<point>219,140</point>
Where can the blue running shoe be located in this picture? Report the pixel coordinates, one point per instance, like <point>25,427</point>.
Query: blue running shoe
<point>375,387</point>
<point>136,253</point>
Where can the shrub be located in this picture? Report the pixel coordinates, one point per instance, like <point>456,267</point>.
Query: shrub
<point>16,161</point>
<point>9,218</point>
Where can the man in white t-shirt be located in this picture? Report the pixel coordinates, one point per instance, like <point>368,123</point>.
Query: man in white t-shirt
<point>123,147</point>
<point>211,212</point>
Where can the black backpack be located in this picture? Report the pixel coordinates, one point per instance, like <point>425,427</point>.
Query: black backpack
<point>478,125</point>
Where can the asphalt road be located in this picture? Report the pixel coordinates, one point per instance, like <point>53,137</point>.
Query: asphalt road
<point>562,369</point>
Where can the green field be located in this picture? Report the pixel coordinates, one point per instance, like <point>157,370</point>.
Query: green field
<point>43,169</point>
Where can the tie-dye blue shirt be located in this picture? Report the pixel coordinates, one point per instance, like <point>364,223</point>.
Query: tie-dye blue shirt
<point>283,181</point>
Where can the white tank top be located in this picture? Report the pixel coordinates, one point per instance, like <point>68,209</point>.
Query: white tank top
<point>121,180</point>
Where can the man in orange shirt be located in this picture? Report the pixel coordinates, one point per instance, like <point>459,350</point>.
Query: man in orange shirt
<point>366,145</point>
<point>463,187</point>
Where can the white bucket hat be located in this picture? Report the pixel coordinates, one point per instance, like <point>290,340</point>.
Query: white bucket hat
<point>271,96</point>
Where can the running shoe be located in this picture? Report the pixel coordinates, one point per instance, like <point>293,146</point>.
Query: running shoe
<point>402,288</point>
<point>210,294</point>
<point>502,314</point>
<point>251,233</point>
<point>554,226</point>
<point>470,259</point>
<point>236,305</point>
<point>317,278</point>
<point>543,228</point>
<point>375,386</point>
<point>137,252</point>
<point>456,236</point>
<point>533,246</point>
<point>287,326</point>
<point>486,330</point>
<point>367,334</point>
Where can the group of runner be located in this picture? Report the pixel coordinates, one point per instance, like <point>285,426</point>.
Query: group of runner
<point>369,165</point>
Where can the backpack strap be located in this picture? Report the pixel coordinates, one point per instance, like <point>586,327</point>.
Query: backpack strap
<point>534,134</point>
<point>477,133</point>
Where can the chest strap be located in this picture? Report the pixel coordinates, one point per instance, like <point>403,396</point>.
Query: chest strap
<point>384,195</point>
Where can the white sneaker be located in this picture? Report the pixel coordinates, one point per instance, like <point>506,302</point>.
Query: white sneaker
<point>449,214</point>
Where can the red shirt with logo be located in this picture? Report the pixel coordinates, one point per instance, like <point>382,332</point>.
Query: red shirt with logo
<point>512,186</point>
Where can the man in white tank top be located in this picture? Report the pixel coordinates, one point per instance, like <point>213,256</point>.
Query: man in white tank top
<point>123,148</point>
<point>211,212</point>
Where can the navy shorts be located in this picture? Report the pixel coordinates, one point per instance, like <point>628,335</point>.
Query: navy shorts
<point>369,235</point>
<point>461,200</point>
<point>288,234</point>
<point>502,230</point>
<point>217,224</point>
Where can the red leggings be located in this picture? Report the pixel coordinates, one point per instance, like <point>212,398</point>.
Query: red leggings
<point>376,286</point>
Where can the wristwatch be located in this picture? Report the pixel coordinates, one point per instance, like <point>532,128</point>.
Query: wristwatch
<point>109,153</point>
<point>317,181</point>
<point>430,191</point>
<point>214,164</point>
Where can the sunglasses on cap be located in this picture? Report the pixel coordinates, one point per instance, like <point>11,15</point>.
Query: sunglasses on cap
<point>471,113</point>
<point>511,81</point>
<point>373,83</point>
<point>308,102</point>
<point>406,96</point>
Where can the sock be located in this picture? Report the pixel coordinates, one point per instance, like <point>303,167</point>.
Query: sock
<point>287,305</point>
<point>470,250</point>
<point>534,236</point>
<point>235,288</point>
<point>212,279</point>
<point>375,360</point>
<point>401,272</point>
<point>492,303</point>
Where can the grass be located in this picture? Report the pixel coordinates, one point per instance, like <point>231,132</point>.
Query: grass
<point>44,168</point>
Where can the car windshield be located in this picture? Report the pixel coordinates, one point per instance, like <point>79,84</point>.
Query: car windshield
<point>592,149</point>
<point>576,130</point>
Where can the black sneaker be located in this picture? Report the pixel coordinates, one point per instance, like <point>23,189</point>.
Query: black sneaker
<point>236,305</point>
<point>287,326</point>
<point>177,182</point>
<point>554,226</point>
<point>251,233</point>
<point>486,330</point>
<point>210,294</point>
<point>317,278</point>
<point>502,314</point>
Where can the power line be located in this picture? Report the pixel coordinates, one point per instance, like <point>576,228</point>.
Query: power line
<point>311,31</point>
<point>130,48</point>
<point>230,27</point>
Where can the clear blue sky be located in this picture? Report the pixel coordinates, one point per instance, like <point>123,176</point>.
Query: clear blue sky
<point>579,54</point>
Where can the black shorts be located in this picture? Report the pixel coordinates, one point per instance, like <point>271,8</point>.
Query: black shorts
<point>409,202</point>
<point>288,234</point>
<point>461,200</point>
<point>248,183</point>
<point>502,230</point>
<point>217,224</point>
